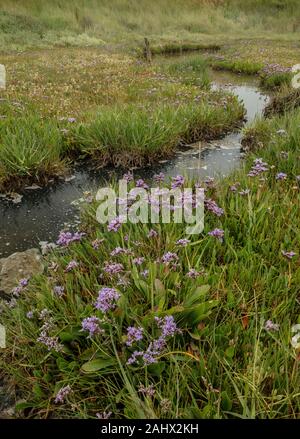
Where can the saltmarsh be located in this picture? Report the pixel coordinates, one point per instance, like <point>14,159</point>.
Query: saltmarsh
<point>115,109</point>
<point>135,320</point>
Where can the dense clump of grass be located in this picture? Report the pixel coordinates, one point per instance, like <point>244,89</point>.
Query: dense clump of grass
<point>192,70</point>
<point>130,136</point>
<point>276,80</point>
<point>180,48</point>
<point>228,360</point>
<point>29,148</point>
<point>247,67</point>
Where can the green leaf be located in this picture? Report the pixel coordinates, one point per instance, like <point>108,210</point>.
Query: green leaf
<point>197,313</point>
<point>157,368</point>
<point>198,294</point>
<point>98,364</point>
<point>226,402</point>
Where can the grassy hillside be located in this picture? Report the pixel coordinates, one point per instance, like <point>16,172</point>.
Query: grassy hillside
<point>29,23</point>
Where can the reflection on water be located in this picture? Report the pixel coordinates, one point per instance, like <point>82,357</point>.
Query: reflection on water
<point>43,213</point>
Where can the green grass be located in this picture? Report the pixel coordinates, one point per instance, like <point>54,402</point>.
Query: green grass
<point>98,23</point>
<point>238,66</point>
<point>30,148</point>
<point>224,364</point>
<point>131,136</point>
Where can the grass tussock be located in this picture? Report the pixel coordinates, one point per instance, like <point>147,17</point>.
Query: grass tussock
<point>226,306</point>
<point>30,148</point>
<point>134,136</point>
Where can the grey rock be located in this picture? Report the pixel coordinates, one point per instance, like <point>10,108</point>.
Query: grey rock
<point>17,266</point>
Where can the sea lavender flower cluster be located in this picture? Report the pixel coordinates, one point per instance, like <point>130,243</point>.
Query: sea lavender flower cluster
<point>145,273</point>
<point>104,415</point>
<point>281,176</point>
<point>107,298</point>
<point>193,274</point>
<point>217,233</point>
<point>270,326</point>
<point>71,266</point>
<point>152,234</point>
<point>147,391</point>
<point>30,314</point>
<point>96,243</point>
<point>159,178</point>
<point>120,251</point>
<point>92,325</point>
<point>51,342</point>
<point>62,394</point>
<point>66,238</point>
<point>114,224</point>
<point>177,181</point>
<point>210,182</point>
<point>288,255</point>
<point>169,257</point>
<point>141,183</point>
<point>258,167</point>
<point>113,268</point>
<point>138,261</point>
<point>128,177</point>
<point>168,329</point>
<point>183,242</point>
<point>21,286</point>
<point>59,290</point>
<point>212,206</point>
<point>133,335</point>
<point>275,68</point>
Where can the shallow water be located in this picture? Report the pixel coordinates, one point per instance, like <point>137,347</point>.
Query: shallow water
<point>44,212</point>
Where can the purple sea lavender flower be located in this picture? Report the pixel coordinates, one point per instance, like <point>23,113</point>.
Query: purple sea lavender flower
<point>270,326</point>
<point>107,298</point>
<point>16,291</point>
<point>97,242</point>
<point>29,315</point>
<point>62,394</point>
<point>281,176</point>
<point>258,167</point>
<point>234,187</point>
<point>133,335</point>
<point>104,415</point>
<point>141,183</point>
<point>71,119</point>
<point>134,357</point>
<point>114,225</point>
<point>193,274</point>
<point>145,273</point>
<point>59,290</point>
<point>92,325</point>
<point>183,242</point>
<point>113,268</point>
<point>217,233</point>
<point>159,178</point>
<point>138,261</point>
<point>66,238</point>
<point>147,391</point>
<point>128,177</point>
<point>23,282</point>
<point>212,206</point>
<point>210,182</point>
<point>169,257</point>
<point>177,181</point>
<point>152,234</point>
<point>71,265</point>
<point>167,325</point>
<point>288,255</point>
